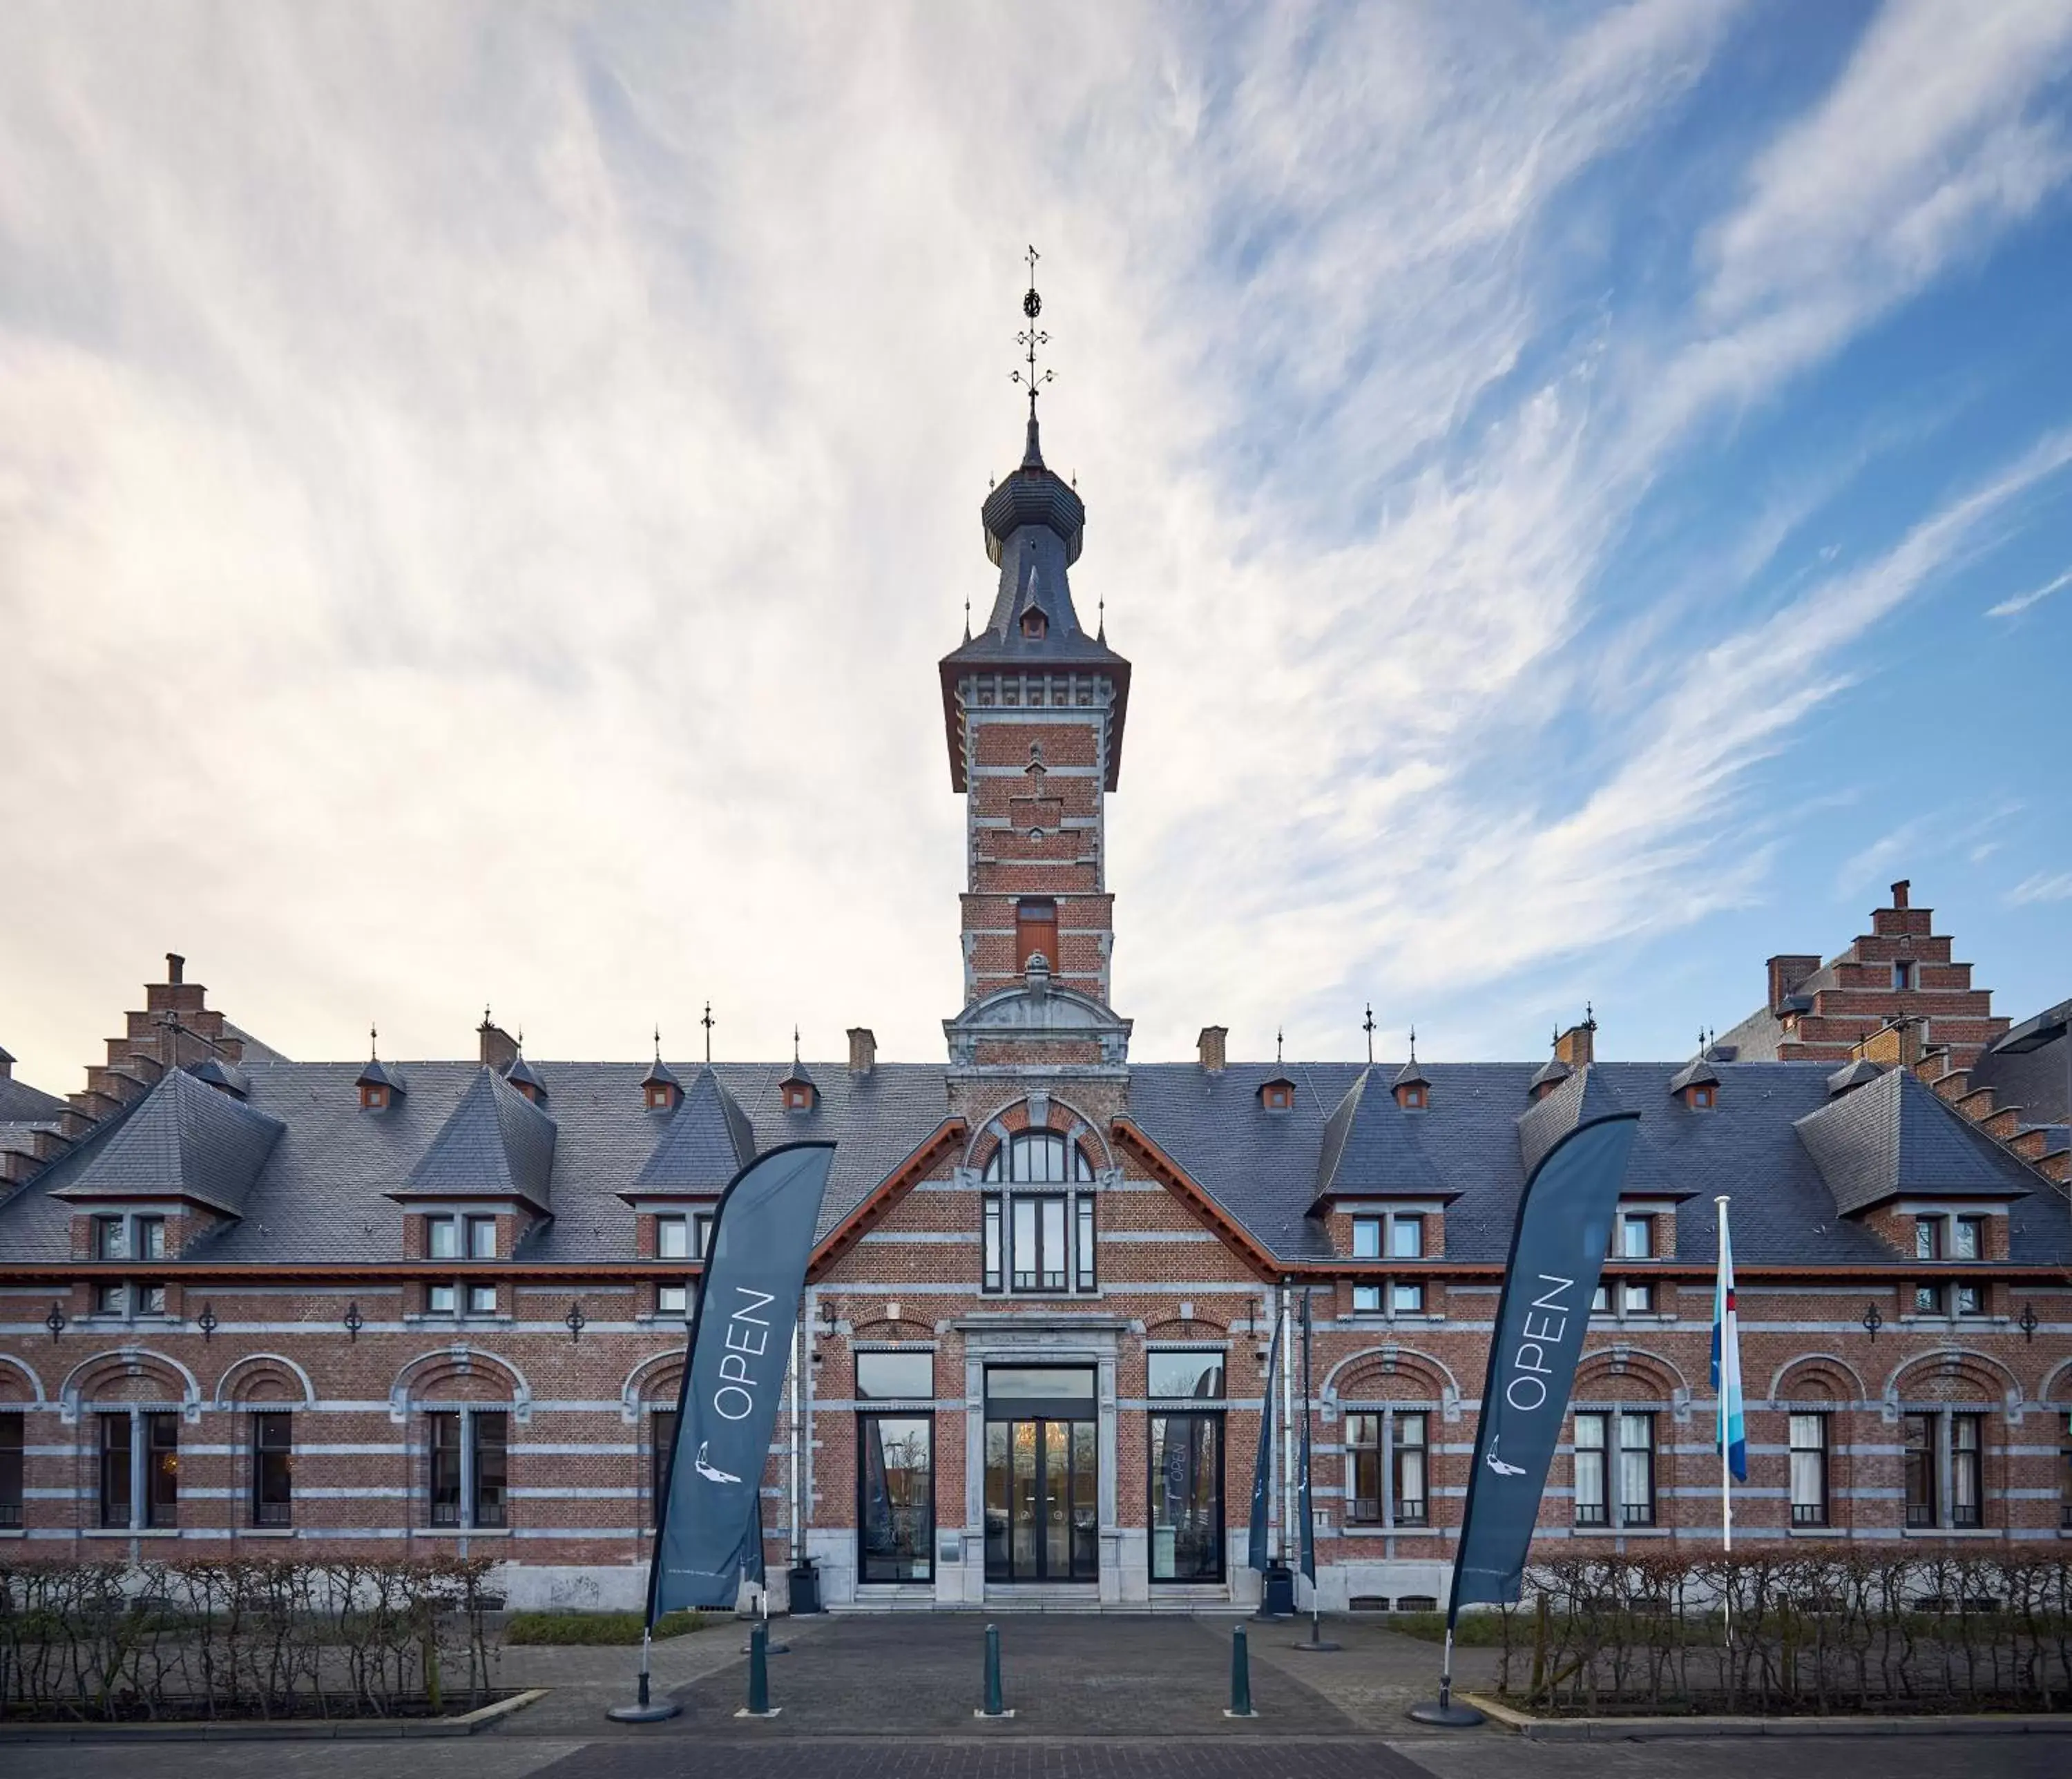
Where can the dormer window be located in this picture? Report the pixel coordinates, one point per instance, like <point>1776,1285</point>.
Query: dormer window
<point>1695,1083</point>
<point>1411,1099</point>
<point>1277,1093</point>
<point>522,1076</point>
<point>798,1092</point>
<point>1700,1099</point>
<point>1035,627</point>
<point>660,1089</point>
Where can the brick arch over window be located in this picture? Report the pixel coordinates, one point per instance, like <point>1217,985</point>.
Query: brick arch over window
<point>129,1374</point>
<point>460,1373</point>
<point>263,1378</point>
<point>1177,1327</point>
<point>904,1329</point>
<point>1811,1377</point>
<point>1040,1113</point>
<point>1390,1374</point>
<point>1628,1374</point>
<point>2057,1387</point>
<point>19,1383</point>
<point>656,1382</point>
<point>1953,1374</point>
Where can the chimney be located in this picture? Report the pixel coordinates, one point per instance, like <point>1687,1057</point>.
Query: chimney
<point>1576,1046</point>
<point>1787,970</point>
<point>862,1049</point>
<point>499,1048</point>
<point>6,1067</point>
<point>175,965</point>
<point>1899,892</point>
<point>1211,1044</point>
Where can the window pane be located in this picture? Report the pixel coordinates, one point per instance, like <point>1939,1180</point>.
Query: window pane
<point>898,1376</point>
<point>1601,1300</point>
<point>672,1300</point>
<point>1809,1469</point>
<point>1366,1300</point>
<point>1366,1237</point>
<point>1970,1300</point>
<point>661,1453</point>
<point>1363,1468</point>
<point>115,1430</point>
<point>1928,1300</point>
<point>1928,1238</point>
<point>1025,1383</point>
<point>150,1300</point>
<point>1967,1470</point>
<point>111,1239</point>
<point>489,1468</point>
<point>1411,1508</point>
<point>1083,1248</point>
<point>1590,1470</point>
<point>482,1299</point>
<point>438,1299</point>
<point>1406,1238</point>
<point>672,1238</point>
<point>1970,1243</point>
<point>990,1215</point>
<point>162,1471</point>
<point>441,1238</point>
<point>701,1227</point>
<point>1053,1243</point>
<point>1639,1299</point>
<point>1637,1469</point>
<point>110,1299</point>
<point>1406,1300</point>
<point>897,1523</point>
<point>1636,1237</point>
<point>273,1469</point>
<point>482,1238</point>
<point>442,1435</point>
<point>1025,1244</point>
<point>1173,1375</point>
<point>150,1238</point>
<point>11,1470</point>
<point>1920,1470</point>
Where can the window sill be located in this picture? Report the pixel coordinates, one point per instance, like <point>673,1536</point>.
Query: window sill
<point>1811,1531</point>
<point>477,1320</point>
<point>1952,1531</point>
<point>14,1532</point>
<point>1385,1531</point>
<point>266,1531</point>
<point>462,1531</point>
<point>130,1531</point>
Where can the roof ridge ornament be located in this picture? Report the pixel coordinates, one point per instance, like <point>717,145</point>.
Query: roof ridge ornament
<point>1029,339</point>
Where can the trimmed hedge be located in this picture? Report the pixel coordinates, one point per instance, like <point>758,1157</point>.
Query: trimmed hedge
<point>612,1628</point>
<point>109,1641</point>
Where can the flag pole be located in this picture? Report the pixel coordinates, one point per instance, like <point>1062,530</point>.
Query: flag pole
<point>1720,1422</point>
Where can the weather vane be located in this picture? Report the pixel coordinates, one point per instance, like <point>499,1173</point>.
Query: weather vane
<point>1030,338</point>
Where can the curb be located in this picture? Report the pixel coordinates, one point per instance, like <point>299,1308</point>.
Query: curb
<point>1682,1729</point>
<point>322,1729</point>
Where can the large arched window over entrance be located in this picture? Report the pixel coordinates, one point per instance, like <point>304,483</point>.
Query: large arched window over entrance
<point>1039,1158</point>
<point>1038,1219</point>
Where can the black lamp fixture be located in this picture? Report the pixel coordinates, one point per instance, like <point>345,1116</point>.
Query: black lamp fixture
<point>1872,1322</point>
<point>354,1321</point>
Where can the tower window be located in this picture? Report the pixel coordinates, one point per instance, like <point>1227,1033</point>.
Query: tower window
<point>1035,930</point>
<point>1034,625</point>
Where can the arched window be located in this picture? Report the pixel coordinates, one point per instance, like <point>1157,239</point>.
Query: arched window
<point>1038,1231</point>
<point>1039,1158</point>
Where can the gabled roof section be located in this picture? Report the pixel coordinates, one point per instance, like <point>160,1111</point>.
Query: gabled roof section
<point>378,1073</point>
<point>184,1140</point>
<point>1553,1070</point>
<point>1595,1092</point>
<point>521,1073</point>
<point>1858,1073</point>
<point>226,1076</point>
<point>1371,1149</point>
<point>19,1101</point>
<point>1697,1073</point>
<point>496,1144</point>
<point>1894,1138</point>
<point>659,1074</point>
<point>707,1141</point>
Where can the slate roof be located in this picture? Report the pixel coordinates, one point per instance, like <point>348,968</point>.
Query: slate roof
<point>496,1144</point>
<point>1893,1137</point>
<point>183,1139</point>
<point>706,1142</point>
<point>329,1186</point>
<point>22,1103</point>
<point>378,1073</point>
<point>1371,1147</point>
<point>1697,1073</point>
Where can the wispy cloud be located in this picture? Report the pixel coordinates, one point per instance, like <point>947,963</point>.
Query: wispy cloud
<point>2007,608</point>
<point>2042,887</point>
<point>481,494</point>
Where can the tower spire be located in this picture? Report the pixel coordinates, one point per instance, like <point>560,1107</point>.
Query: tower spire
<point>1029,339</point>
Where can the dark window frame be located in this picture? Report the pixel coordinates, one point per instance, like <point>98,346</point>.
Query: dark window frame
<point>271,1500</point>
<point>13,1460</point>
<point>1820,1511</point>
<point>927,1545</point>
<point>662,1424</point>
<point>1217,1419</point>
<point>118,1470</point>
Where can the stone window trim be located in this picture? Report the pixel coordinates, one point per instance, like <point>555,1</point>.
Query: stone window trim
<point>1629,1465</point>
<point>1380,1300</point>
<point>141,1417</point>
<point>468,1454</point>
<point>1389,1464</point>
<point>1959,1495</point>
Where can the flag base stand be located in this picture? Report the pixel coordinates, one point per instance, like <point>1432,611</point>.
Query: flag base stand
<point>644,1710</point>
<point>1446,1715</point>
<point>1316,1643</point>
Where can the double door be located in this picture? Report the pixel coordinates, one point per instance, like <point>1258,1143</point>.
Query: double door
<point>1042,1499</point>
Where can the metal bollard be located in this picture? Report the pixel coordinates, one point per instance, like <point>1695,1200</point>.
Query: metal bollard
<point>1241,1704</point>
<point>758,1672</point>
<point>994,1706</point>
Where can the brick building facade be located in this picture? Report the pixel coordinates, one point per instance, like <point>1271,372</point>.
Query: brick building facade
<point>249,1304</point>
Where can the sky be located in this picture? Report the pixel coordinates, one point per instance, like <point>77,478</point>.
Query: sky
<point>1587,492</point>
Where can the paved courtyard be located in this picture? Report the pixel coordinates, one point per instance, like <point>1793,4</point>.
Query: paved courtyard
<point>1106,1698</point>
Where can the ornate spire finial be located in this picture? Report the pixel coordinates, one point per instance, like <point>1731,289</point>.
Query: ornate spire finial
<point>1029,339</point>
<point>1100,633</point>
<point>966,617</point>
<point>658,1043</point>
<point>707,1022</point>
<point>1366,1025</point>
<point>1413,1044</point>
<point>1276,1046</point>
<point>373,1044</point>
<point>795,1047</point>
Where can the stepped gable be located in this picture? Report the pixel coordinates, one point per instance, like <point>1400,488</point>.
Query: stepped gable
<point>707,1141</point>
<point>1894,1138</point>
<point>1371,1148</point>
<point>183,1140</point>
<point>496,1144</point>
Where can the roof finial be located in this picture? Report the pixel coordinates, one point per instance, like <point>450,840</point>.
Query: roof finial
<point>966,617</point>
<point>373,1045</point>
<point>1276,1046</point>
<point>1029,339</point>
<point>1413,1044</point>
<point>795,1047</point>
<point>1100,631</point>
<point>1366,1025</point>
<point>707,1022</point>
<point>1589,1018</point>
<point>658,1043</point>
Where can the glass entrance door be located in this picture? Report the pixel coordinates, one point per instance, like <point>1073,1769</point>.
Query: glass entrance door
<point>1041,1517</point>
<point>1186,1498</point>
<point>896,1507</point>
